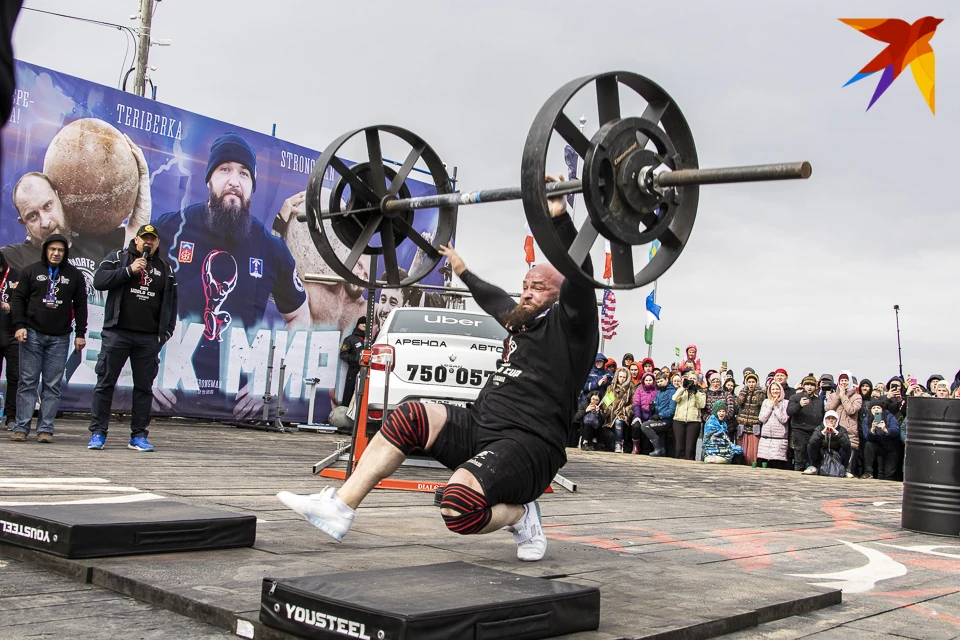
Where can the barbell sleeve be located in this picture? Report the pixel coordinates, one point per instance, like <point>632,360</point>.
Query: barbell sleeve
<point>726,175</point>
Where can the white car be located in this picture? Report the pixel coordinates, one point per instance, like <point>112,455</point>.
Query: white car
<point>435,355</point>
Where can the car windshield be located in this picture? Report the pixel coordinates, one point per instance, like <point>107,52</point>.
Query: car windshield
<point>446,322</point>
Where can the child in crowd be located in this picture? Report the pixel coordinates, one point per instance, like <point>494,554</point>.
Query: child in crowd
<point>717,447</point>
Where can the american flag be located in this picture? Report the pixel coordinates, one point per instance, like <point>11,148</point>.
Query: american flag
<point>608,325</point>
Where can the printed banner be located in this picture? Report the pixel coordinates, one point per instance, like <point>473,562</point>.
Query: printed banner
<point>66,154</point>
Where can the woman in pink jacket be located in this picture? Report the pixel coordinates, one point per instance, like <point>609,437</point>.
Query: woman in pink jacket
<point>847,401</point>
<point>773,426</point>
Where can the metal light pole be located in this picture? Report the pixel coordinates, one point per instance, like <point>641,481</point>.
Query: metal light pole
<point>896,312</point>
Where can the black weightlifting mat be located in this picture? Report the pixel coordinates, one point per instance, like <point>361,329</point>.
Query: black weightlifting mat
<point>432,602</point>
<point>98,530</point>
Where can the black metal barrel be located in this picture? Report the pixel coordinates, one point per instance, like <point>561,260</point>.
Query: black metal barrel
<point>931,477</point>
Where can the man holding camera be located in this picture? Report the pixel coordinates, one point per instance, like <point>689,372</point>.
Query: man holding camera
<point>831,436</point>
<point>139,317</point>
<point>690,399</point>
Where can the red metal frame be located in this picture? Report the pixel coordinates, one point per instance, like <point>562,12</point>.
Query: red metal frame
<point>360,444</point>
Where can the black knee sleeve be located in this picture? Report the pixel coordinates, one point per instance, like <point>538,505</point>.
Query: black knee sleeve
<point>473,511</point>
<point>407,428</point>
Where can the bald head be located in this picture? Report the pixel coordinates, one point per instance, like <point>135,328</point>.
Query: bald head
<point>543,278</point>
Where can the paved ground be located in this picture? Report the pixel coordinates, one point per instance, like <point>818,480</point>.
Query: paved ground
<point>678,549</point>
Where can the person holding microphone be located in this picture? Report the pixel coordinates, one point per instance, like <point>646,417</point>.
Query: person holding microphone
<point>139,317</point>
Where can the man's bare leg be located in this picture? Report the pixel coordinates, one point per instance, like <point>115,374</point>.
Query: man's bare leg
<point>381,459</point>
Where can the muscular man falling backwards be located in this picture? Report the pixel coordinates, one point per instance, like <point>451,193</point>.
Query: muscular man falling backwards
<point>509,445</point>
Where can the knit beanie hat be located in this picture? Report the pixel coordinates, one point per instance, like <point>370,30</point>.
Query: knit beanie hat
<point>751,375</point>
<point>231,147</point>
<point>719,404</point>
<point>810,380</point>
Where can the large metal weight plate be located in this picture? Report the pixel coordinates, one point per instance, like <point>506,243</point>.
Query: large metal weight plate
<point>364,187</point>
<point>619,210</point>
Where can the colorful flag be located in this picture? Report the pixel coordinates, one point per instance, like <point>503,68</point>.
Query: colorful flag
<point>653,314</point>
<point>654,247</point>
<point>608,324</point>
<point>607,268</point>
<point>573,160</point>
<point>529,255</point>
<point>652,307</point>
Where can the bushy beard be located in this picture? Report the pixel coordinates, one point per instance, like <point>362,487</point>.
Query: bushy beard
<point>520,315</point>
<point>230,222</point>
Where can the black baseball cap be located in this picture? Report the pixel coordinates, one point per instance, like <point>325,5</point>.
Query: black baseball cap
<point>148,230</point>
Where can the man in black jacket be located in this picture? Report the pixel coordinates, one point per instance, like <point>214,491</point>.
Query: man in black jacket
<point>139,317</point>
<point>49,297</point>
<point>9,347</point>
<point>508,446</point>
<point>350,352</point>
<point>806,415</point>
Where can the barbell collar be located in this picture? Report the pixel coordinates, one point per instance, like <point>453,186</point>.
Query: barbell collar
<point>727,175</point>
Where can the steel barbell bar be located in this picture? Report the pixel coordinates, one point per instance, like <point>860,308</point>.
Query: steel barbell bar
<point>647,180</point>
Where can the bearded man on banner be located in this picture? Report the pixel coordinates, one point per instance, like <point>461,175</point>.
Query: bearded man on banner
<point>228,266</point>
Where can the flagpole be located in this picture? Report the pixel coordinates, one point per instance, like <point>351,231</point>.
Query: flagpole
<point>650,346</point>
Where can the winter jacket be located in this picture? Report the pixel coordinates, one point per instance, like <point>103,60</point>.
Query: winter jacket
<point>8,278</point>
<point>847,405</point>
<point>28,307</point>
<point>617,403</point>
<point>748,408</point>
<point>689,404</point>
<point>897,407</point>
<point>805,419</point>
<point>888,439</point>
<point>643,401</point>
<point>593,380</point>
<point>114,272</point>
<point>351,349</point>
<point>665,405</point>
<point>723,396</point>
<point>835,441</point>
<point>773,430</point>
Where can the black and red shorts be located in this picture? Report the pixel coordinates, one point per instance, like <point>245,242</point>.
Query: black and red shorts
<point>513,466</point>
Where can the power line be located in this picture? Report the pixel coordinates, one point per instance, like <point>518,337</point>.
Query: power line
<point>127,31</point>
<point>81,19</point>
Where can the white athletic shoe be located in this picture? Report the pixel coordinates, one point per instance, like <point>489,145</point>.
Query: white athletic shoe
<point>323,510</point>
<point>528,534</point>
<point>810,471</point>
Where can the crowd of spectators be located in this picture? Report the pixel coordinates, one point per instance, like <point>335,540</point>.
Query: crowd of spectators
<point>830,426</point>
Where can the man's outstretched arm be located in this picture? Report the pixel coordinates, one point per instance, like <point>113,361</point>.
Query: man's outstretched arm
<point>578,301</point>
<point>492,299</point>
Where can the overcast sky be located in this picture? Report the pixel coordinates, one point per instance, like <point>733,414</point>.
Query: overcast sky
<point>802,275</point>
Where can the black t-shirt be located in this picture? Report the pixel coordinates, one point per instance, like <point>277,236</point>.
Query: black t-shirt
<point>545,362</point>
<point>141,300</point>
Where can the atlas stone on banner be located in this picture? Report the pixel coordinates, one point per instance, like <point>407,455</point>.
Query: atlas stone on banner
<point>93,169</point>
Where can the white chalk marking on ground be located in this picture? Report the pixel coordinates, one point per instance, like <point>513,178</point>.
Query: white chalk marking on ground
<point>135,497</point>
<point>880,567</point>
<point>58,480</point>
<point>928,549</point>
<point>64,487</point>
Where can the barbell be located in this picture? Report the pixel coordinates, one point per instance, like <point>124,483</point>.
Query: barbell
<point>640,182</point>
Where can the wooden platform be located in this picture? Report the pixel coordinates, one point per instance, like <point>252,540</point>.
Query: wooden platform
<point>678,549</point>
